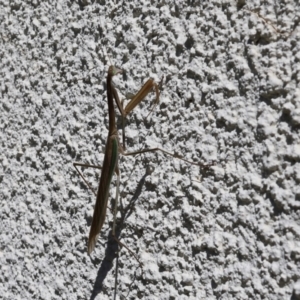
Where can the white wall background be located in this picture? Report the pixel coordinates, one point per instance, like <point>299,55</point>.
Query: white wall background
<point>231,94</point>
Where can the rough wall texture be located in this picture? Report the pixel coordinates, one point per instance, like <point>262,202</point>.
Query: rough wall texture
<point>230,94</point>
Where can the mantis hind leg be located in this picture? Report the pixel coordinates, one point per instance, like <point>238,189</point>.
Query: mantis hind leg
<point>115,216</point>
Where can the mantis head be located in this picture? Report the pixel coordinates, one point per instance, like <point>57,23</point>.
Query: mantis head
<point>112,71</point>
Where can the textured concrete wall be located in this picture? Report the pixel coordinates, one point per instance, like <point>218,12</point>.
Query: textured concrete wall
<point>230,94</point>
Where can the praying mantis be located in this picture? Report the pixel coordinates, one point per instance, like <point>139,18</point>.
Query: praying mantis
<point>112,151</point>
